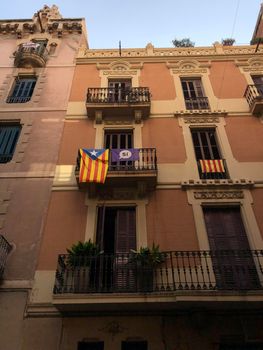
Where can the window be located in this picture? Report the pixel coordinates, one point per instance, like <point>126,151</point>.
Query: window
<point>207,153</point>
<point>194,94</point>
<point>134,345</point>
<point>22,90</point>
<point>8,139</point>
<point>116,236</point>
<point>258,81</point>
<point>121,139</point>
<point>119,90</point>
<point>99,345</point>
<point>233,263</point>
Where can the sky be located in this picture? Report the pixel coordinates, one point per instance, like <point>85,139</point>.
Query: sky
<point>138,22</point>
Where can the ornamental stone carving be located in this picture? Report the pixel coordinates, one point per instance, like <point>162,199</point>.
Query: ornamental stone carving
<point>201,120</point>
<point>218,195</point>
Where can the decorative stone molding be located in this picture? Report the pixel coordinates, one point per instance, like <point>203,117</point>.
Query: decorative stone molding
<point>188,66</point>
<point>253,65</point>
<point>201,120</point>
<point>150,51</point>
<point>219,195</point>
<point>120,72</point>
<point>47,20</point>
<point>117,122</point>
<point>23,139</point>
<point>119,68</point>
<point>204,112</point>
<point>116,194</point>
<point>9,79</point>
<point>113,328</point>
<point>212,183</point>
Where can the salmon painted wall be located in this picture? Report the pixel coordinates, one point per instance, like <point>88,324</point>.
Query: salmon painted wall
<point>245,136</point>
<point>166,136</point>
<point>257,195</point>
<point>170,221</point>
<point>26,211</point>
<point>226,80</point>
<point>85,76</point>
<point>65,225</point>
<point>157,77</point>
<point>76,134</point>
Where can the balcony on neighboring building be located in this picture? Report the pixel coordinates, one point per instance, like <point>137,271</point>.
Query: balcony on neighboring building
<point>212,169</point>
<point>132,102</point>
<point>197,103</point>
<point>254,96</point>
<point>31,55</point>
<point>189,273</point>
<point>5,249</point>
<point>138,173</point>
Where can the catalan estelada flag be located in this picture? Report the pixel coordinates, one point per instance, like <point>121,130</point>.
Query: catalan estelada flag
<point>93,165</point>
<point>212,165</point>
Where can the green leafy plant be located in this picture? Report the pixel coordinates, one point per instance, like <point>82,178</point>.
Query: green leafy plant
<point>82,253</point>
<point>148,257</point>
<point>228,41</point>
<point>186,42</point>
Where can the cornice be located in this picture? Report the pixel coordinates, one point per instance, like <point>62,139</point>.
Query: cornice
<point>217,52</point>
<point>47,20</point>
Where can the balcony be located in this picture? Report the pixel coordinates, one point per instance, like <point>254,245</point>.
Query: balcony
<point>254,96</point>
<point>33,55</point>
<point>212,169</point>
<point>140,174</point>
<point>186,274</point>
<point>118,102</point>
<point>5,249</point>
<point>197,103</point>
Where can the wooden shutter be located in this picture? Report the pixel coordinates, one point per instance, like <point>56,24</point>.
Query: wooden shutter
<point>232,261</point>
<point>124,242</point>
<point>125,230</point>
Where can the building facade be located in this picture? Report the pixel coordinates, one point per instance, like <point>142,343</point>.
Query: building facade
<point>184,189</point>
<point>36,69</point>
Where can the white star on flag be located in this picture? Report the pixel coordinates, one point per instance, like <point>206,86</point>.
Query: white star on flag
<point>94,153</point>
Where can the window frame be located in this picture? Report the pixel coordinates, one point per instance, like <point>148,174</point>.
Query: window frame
<point>194,96</point>
<point>22,89</point>
<point>9,140</point>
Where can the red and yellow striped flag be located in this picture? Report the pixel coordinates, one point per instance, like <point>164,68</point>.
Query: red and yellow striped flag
<point>212,165</point>
<point>93,165</point>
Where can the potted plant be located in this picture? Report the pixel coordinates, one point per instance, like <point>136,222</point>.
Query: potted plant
<point>82,262</point>
<point>146,260</point>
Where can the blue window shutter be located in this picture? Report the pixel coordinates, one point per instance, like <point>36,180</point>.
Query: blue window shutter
<point>8,139</point>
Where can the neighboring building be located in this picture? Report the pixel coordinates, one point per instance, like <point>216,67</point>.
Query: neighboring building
<point>36,69</point>
<point>190,180</point>
<point>258,32</point>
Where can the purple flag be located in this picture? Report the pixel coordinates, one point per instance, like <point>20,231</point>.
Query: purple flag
<point>118,155</point>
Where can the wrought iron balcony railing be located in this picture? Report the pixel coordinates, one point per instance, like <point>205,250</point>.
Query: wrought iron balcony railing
<point>135,95</point>
<point>197,103</point>
<point>147,162</point>
<point>253,92</point>
<point>18,99</point>
<point>31,53</point>
<point>220,270</point>
<point>5,249</point>
<point>215,173</point>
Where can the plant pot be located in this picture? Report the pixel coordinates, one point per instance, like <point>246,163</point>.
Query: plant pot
<point>145,278</point>
<point>81,279</point>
